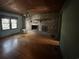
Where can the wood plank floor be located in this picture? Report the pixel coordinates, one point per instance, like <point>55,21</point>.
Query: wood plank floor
<point>30,46</point>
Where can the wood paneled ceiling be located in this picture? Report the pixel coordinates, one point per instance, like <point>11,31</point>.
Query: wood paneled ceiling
<point>37,6</point>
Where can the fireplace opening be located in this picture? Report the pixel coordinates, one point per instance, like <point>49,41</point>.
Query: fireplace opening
<point>34,27</point>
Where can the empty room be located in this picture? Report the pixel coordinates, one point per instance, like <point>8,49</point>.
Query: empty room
<point>39,29</point>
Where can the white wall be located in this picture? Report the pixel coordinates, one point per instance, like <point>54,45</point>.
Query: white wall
<point>46,19</point>
<point>28,25</point>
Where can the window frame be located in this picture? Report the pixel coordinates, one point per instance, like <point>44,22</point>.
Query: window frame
<point>9,17</point>
<point>1,23</point>
<point>11,23</point>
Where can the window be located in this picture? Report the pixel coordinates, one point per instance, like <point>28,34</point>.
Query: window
<point>5,23</point>
<point>8,23</point>
<point>13,23</point>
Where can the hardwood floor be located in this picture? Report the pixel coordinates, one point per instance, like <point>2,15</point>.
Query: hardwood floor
<point>30,46</point>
